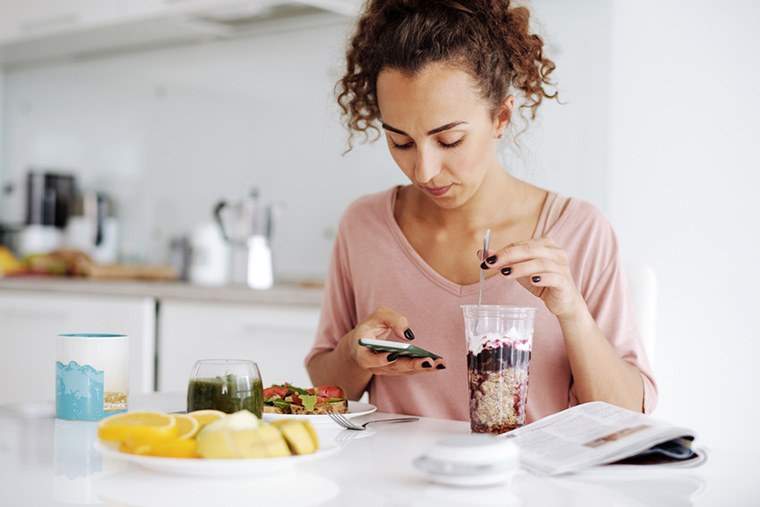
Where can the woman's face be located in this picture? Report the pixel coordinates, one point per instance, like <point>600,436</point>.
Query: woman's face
<point>440,131</point>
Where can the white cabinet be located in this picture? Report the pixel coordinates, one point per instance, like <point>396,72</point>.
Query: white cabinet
<point>30,322</point>
<point>277,338</point>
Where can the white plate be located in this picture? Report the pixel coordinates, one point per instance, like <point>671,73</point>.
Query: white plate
<point>216,467</point>
<point>355,409</point>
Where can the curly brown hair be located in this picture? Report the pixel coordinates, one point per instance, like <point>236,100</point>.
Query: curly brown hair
<point>488,38</point>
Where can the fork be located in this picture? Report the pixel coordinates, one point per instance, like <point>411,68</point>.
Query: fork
<point>343,421</point>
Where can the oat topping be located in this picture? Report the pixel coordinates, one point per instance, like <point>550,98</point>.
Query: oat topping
<point>498,377</point>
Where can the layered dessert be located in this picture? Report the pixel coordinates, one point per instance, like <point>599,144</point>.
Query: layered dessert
<point>498,376</point>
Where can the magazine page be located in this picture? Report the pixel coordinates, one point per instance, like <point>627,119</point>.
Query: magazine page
<point>589,434</point>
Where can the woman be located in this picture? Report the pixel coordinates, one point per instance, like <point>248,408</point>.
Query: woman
<point>439,78</point>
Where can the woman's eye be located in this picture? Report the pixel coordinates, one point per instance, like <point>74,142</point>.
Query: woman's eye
<point>404,146</point>
<point>409,144</point>
<point>451,145</point>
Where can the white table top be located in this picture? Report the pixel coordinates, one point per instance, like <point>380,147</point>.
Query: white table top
<point>44,462</point>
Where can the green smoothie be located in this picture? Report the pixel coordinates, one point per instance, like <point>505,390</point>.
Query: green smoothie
<point>229,394</point>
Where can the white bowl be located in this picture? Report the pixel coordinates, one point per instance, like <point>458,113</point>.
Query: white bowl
<point>470,460</point>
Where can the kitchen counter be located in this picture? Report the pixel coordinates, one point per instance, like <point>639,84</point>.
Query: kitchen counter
<point>45,462</point>
<point>281,294</point>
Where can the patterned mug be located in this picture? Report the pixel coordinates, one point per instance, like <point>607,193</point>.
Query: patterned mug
<point>92,375</point>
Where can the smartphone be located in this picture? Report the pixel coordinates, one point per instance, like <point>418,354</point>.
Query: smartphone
<point>398,349</point>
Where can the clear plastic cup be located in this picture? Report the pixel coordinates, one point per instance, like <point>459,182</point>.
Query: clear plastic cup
<point>500,339</point>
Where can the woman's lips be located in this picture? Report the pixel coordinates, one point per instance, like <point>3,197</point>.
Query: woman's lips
<point>437,191</point>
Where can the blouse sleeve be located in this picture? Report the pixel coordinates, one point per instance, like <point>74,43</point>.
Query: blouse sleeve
<point>605,291</point>
<point>338,315</point>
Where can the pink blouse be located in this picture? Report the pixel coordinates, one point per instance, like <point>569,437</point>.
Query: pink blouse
<point>374,265</point>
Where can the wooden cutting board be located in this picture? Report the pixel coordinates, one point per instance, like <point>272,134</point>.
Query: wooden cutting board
<point>128,272</point>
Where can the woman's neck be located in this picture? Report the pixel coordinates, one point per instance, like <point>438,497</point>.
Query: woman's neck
<point>500,199</point>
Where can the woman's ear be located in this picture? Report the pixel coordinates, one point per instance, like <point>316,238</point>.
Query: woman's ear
<point>503,116</point>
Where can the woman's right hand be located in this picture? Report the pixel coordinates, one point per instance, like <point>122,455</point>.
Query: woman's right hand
<point>382,324</point>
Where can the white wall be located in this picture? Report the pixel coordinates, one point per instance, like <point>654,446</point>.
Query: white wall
<point>171,131</point>
<point>566,149</point>
<point>683,196</point>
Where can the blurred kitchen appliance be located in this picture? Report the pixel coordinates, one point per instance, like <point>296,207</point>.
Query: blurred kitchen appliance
<point>210,256</point>
<point>246,225</point>
<point>9,235</point>
<point>181,256</point>
<point>93,227</point>
<point>49,197</point>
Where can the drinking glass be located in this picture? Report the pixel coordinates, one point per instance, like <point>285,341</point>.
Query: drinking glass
<point>500,339</point>
<point>228,385</point>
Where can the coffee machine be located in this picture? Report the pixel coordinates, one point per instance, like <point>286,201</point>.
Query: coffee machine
<point>49,200</point>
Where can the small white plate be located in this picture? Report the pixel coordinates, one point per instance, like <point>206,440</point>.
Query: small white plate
<point>355,409</point>
<point>216,467</point>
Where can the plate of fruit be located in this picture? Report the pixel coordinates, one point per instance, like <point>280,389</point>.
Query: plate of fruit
<point>313,404</point>
<point>209,443</point>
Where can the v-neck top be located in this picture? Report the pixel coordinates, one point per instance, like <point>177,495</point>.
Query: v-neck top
<point>373,264</point>
<point>432,274</point>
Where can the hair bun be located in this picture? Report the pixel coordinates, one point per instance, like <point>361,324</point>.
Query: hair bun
<point>489,38</point>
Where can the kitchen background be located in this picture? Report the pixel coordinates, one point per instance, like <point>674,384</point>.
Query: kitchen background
<point>658,129</point>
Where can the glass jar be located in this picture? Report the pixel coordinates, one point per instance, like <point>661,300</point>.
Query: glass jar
<point>227,385</point>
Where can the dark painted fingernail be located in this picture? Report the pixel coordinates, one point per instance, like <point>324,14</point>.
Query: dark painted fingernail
<point>536,279</point>
<point>491,259</point>
<point>426,364</point>
<point>506,271</point>
<point>408,334</point>
<point>440,367</point>
<point>392,357</point>
<point>483,265</point>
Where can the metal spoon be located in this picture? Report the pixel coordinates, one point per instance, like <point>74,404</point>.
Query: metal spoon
<point>486,243</point>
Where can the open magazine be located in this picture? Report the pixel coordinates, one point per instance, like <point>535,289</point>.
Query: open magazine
<point>598,433</point>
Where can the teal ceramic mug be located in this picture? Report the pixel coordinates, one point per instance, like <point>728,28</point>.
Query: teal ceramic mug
<point>92,375</point>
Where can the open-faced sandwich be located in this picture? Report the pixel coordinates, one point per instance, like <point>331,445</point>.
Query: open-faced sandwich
<point>289,399</point>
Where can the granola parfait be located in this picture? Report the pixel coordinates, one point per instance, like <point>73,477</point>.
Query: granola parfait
<point>499,340</point>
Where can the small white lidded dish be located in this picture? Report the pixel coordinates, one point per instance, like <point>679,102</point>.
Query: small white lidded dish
<point>470,460</point>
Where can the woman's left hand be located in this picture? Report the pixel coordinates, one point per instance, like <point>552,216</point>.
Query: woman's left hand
<point>541,267</point>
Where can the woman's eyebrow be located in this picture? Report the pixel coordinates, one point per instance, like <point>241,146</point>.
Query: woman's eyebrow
<point>430,133</point>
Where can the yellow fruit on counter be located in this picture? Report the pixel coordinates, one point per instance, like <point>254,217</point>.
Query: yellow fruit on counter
<point>300,435</point>
<point>136,429</point>
<point>8,262</point>
<point>205,417</point>
<point>241,435</point>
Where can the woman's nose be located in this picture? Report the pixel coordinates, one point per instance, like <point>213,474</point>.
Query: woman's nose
<point>427,166</point>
